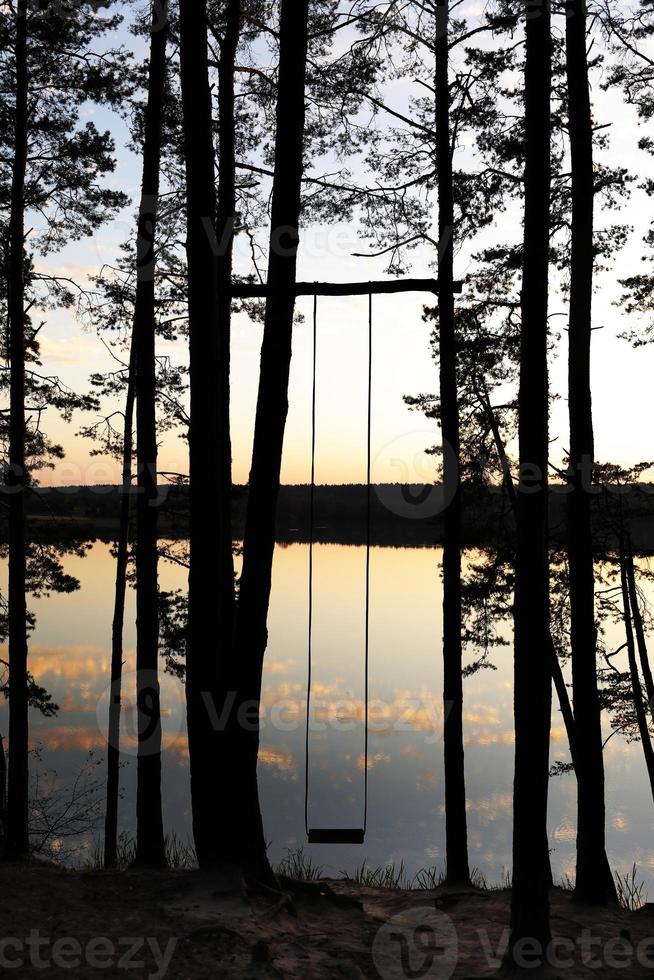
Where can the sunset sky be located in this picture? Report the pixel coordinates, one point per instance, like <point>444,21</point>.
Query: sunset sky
<point>402,361</point>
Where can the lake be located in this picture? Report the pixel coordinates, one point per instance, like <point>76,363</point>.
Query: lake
<point>70,656</point>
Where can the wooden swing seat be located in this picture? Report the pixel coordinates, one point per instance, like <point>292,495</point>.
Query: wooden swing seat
<point>336,835</point>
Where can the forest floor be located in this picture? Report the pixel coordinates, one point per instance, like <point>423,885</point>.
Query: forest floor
<point>183,925</point>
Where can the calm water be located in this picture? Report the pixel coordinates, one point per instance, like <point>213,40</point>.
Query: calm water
<point>70,654</point>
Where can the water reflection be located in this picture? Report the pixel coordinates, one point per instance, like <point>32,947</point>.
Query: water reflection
<point>70,656</point>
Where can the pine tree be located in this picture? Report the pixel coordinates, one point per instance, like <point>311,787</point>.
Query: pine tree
<point>208,343</point>
<point>55,164</point>
<point>458,870</point>
<point>150,845</point>
<point>272,408</point>
<point>533,685</point>
<point>594,882</point>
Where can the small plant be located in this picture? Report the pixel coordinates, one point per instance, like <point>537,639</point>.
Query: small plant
<point>62,815</point>
<point>125,851</point>
<point>180,856</point>
<point>631,893</point>
<point>428,879</point>
<point>94,858</point>
<point>391,876</point>
<point>505,883</point>
<point>299,866</point>
<point>478,879</point>
<point>566,883</point>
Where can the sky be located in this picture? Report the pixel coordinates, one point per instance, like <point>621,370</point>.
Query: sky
<point>402,363</point>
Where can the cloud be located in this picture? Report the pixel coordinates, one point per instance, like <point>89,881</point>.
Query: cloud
<point>282,761</point>
<point>79,350</point>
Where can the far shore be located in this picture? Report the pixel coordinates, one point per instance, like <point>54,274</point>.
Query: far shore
<point>401,516</point>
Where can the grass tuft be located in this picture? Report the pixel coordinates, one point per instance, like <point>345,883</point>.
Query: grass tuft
<point>566,883</point>
<point>299,866</point>
<point>428,879</point>
<point>180,855</point>
<point>391,876</point>
<point>631,892</point>
<point>479,880</point>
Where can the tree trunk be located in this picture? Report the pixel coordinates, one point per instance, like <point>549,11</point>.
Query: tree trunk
<point>272,408</point>
<point>509,486</point>
<point>225,225</point>
<point>533,685</point>
<point>640,634</point>
<point>3,797</point>
<point>211,608</point>
<point>637,690</point>
<point>16,475</point>
<point>113,736</point>
<point>557,674</point>
<point>458,871</point>
<point>592,884</point>
<point>150,846</point>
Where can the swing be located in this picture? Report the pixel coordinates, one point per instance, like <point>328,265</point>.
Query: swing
<point>342,835</point>
<point>338,835</point>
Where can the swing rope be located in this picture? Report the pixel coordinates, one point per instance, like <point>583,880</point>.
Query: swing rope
<point>339,835</point>
<point>312,497</point>
<point>368,539</point>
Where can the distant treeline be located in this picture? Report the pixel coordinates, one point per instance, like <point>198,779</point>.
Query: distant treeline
<point>400,515</point>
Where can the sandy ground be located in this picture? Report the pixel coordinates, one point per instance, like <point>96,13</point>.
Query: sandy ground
<point>182,925</point>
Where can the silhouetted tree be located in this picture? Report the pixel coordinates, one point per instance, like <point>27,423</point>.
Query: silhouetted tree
<point>414,150</point>
<point>272,406</point>
<point>48,71</point>
<point>110,310</point>
<point>594,882</point>
<point>208,609</point>
<point>213,832</point>
<point>636,689</point>
<point>225,230</point>
<point>15,477</point>
<point>150,846</point>
<point>117,631</point>
<point>455,789</point>
<point>533,686</point>
<point>622,601</point>
<point>3,795</point>
<point>639,629</point>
